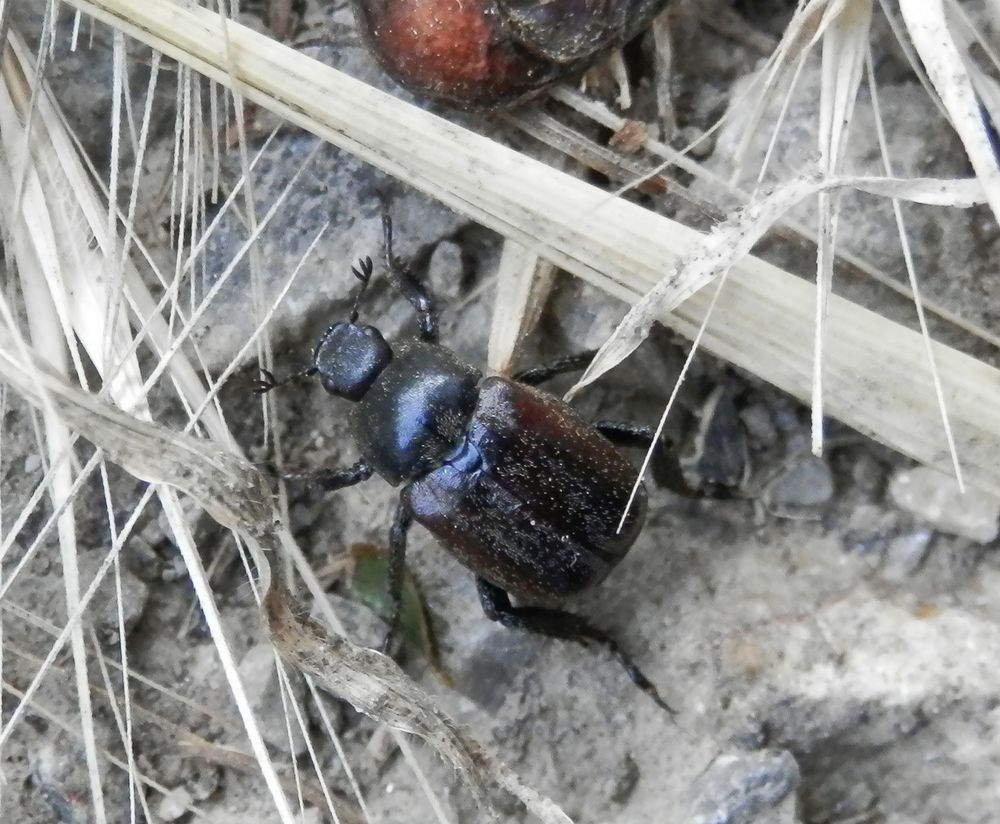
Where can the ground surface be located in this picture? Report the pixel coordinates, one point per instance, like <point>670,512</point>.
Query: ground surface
<point>830,654</point>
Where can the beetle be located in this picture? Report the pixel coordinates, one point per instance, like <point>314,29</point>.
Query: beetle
<point>489,54</point>
<point>508,478</point>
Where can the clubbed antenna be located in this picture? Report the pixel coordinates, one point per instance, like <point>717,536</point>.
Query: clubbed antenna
<point>363,272</point>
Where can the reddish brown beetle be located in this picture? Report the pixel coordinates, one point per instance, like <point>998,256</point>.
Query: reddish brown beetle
<point>532,498</point>
<point>487,54</point>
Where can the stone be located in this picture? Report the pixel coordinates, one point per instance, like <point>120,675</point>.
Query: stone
<point>361,625</point>
<point>49,594</point>
<point>935,499</point>
<point>59,777</point>
<point>805,485</point>
<point>174,804</point>
<point>719,452</point>
<point>205,781</point>
<point>446,271</point>
<point>869,529</point>
<point>491,671</point>
<point>868,475</point>
<point>743,788</point>
<point>260,680</point>
<point>135,595</point>
<point>624,782</point>
<point>906,553</point>
<point>759,424</point>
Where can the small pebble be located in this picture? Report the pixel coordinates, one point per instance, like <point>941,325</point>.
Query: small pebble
<point>361,624</point>
<point>869,529</point>
<point>868,474</point>
<point>906,553</point>
<point>740,789</point>
<point>805,485</point>
<point>760,424</point>
<point>260,679</point>
<point>491,670</point>
<point>625,781</point>
<point>719,450</point>
<point>205,782</point>
<point>446,271</point>
<point>935,499</point>
<point>174,804</point>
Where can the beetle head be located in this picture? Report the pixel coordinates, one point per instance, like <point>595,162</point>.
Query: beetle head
<point>349,357</point>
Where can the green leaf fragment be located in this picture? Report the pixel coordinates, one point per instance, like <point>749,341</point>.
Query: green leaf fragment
<point>368,583</point>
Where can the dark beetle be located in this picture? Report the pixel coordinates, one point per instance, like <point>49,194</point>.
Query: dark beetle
<point>487,54</point>
<point>509,479</point>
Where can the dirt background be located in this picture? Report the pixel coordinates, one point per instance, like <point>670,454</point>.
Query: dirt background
<point>828,638</point>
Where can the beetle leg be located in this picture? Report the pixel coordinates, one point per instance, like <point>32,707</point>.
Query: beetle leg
<point>331,480</point>
<point>668,471</point>
<point>570,363</point>
<point>267,381</point>
<point>558,624</point>
<point>621,433</point>
<point>415,292</point>
<point>397,566</point>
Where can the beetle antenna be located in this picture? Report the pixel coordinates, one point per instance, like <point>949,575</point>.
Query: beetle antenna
<point>363,272</point>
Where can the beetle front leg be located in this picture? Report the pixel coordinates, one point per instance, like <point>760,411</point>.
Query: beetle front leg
<point>330,480</point>
<point>557,624</point>
<point>539,374</point>
<point>415,292</point>
<point>397,567</point>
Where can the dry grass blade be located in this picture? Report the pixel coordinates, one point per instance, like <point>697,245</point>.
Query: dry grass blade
<point>845,42</point>
<point>928,27</point>
<point>732,241</point>
<point>724,195</point>
<point>523,284</point>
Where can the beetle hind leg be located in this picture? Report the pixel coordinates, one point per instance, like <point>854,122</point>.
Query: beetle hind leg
<point>564,625</point>
<point>667,471</point>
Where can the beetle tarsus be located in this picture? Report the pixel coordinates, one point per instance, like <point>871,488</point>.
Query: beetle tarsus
<point>621,433</point>
<point>268,382</point>
<point>564,625</point>
<point>330,480</point>
<point>363,272</point>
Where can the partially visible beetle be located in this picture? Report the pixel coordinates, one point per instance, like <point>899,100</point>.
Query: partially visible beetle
<point>510,479</point>
<point>487,54</point>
